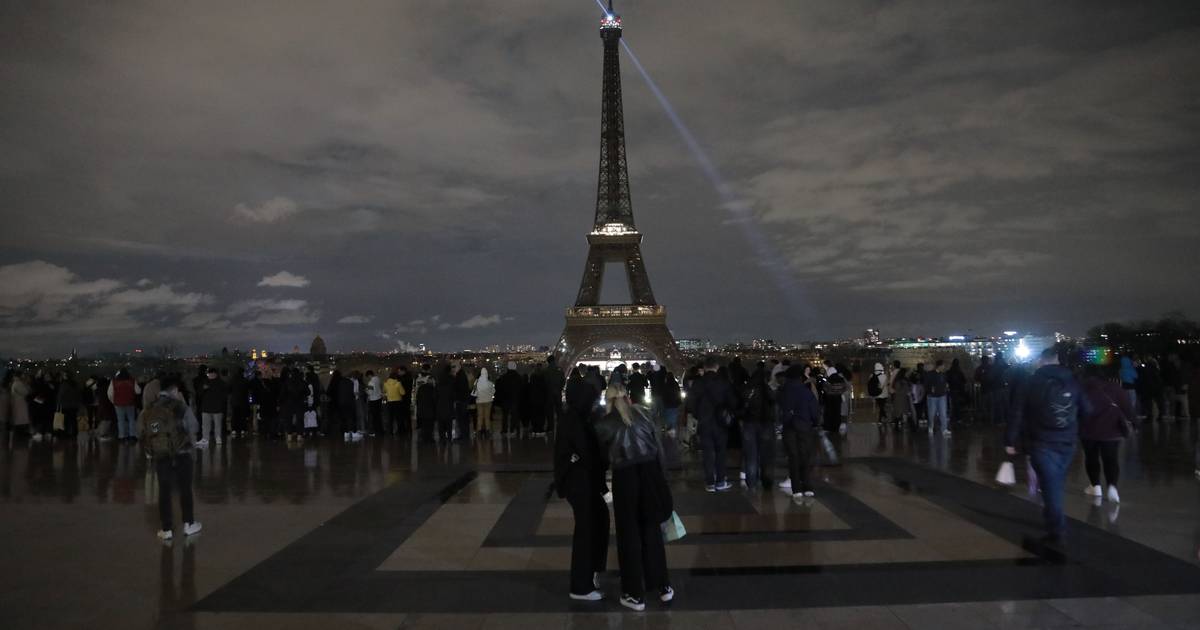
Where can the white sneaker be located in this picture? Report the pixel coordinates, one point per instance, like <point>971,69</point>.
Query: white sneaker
<point>345,436</point>
<point>1093,491</point>
<point>594,596</point>
<point>930,430</point>
<point>810,494</point>
<point>219,441</point>
<point>190,529</point>
<point>786,484</point>
<point>797,495</point>
<point>723,486</point>
<point>945,432</point>
<point>666,595</point>
<point>37,437</point>
<point>742,475</point>
<point>202,444</point>
<point>842,428</point>
<point>1113,495</point>
<point>633,603</point>
<point>165,534</point>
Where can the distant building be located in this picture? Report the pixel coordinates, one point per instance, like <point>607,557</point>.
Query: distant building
<point>871,337</point>
<point>695,345</point>
<point>318,347</point>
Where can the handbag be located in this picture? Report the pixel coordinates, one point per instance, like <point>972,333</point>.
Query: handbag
<point>1006,476</point>
<point>310,419</point>
<point>1124,425</point>
<point>60,421</point>
<point>672,528</point>
<point>81,421</point>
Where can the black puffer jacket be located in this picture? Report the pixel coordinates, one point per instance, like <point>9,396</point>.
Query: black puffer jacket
<point>626,445</point>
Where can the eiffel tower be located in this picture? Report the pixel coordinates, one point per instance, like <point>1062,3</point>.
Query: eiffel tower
<point>615,238</point>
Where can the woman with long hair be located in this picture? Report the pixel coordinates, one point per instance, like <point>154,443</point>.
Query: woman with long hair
<point>641,499</point>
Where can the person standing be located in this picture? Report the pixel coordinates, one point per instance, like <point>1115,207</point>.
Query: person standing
<point>1102,430</point>
<point>1129,375</point>
<point>672,400</point>
<point>936,392</point>
<point>168,431</point>
<point>484,393</point>
<point>877,389</point>
<point>554,382</point>
<point>406,381</point>
<point>214,399</point>
<point>425,403</point>
<point>835,388</point>
<point>151,389</point>
<point>758,429</point>
<point>536,398</point>
<point>123,392</point>
<point>641,498</point>
<point>445,402</point>
<point>239,404</point>
<point>711,401</point>
<point>956,380</point>
<point>69,401</point>
<point>579,478</point>
<point>637,385</point>
<point>394,393</point>
<point>374,404</point>
<point>1044,421</point>
<point>508,397</point>
<point>800,415</point>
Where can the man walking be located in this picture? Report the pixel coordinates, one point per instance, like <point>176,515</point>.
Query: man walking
<point>710,400</point>
<point>168,428</point>
<point>1044,422</point>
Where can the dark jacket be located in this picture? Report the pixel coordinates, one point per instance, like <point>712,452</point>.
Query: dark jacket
<point>710,398</point>
<point>1110,408</point>
<point>798,407</point>
<point>671,398</point>
<point>69,395</point>
<point>576,440</point>
<point>627,445</point>
<point>554,380</point>
<point>758,401</point>
<point>637,387</point>
<point>214,396</point>
<point>508,389</point>
<point>1036,416</point>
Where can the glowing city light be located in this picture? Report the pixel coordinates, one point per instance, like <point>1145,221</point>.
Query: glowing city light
<point>1022,351</point>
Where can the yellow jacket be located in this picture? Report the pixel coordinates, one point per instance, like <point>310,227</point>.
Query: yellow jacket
<point>393,390</point>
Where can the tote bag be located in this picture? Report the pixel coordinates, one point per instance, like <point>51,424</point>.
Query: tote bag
<point>672,528</point>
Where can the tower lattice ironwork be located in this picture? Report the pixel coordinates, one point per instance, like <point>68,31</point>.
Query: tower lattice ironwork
<point>615,238</point>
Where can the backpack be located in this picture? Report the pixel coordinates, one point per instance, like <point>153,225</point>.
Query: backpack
<point>1059,408</point>
<point>874,389</point>
<point>162,427</point>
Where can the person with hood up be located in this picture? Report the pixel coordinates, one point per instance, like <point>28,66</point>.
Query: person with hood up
<point>877,389</point>
<point>484,393</point>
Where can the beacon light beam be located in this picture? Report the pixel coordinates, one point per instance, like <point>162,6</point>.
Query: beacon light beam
<point>768,257</point>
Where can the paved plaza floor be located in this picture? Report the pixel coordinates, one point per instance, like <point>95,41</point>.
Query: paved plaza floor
<point>908,532</point>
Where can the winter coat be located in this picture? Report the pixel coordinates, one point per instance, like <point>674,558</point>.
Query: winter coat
<point>485,389</point>
<point>214,396</point>
<point>1110,408</point>
<point>798,407</point>
<point>627,445</point>
<point>69,396</point>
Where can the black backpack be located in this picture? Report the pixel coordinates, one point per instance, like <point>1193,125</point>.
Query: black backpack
<point>874,389</point>
<point>1059,407</point>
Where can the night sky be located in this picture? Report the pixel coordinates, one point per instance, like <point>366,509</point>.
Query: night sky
<point>392,173</point>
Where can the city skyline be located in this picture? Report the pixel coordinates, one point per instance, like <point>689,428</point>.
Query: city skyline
<point>422,174</point>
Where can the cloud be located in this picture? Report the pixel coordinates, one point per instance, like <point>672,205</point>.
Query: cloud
<point>272,210</point>
<point>480,321</point>
<point>355,319</point>
<point>284,279</point>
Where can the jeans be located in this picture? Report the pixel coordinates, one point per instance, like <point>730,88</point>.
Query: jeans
<point>1050,461</point>
<point>758,452</point>
<point>174,472</point>
<point>126,422</point>
<point>937,407</point>
<point>211,423</point>
<point>713,436</point>
<point>670,417</point>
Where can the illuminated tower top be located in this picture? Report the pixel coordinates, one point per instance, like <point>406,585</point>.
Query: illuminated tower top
<point>614,210</point>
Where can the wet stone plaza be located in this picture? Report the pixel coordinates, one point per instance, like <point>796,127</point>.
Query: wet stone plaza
<point>908,532</point>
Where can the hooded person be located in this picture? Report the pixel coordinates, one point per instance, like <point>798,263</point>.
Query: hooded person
<point>877,389</point>
<point>579,467</point>
<point>484,393</point>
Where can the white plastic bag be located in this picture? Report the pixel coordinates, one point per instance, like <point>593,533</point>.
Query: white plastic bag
<point>1006,476</point>
<point>310,419</point>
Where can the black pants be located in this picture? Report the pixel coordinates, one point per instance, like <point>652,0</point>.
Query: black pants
<point>1096,452</point>
<point>713,436</point>
<point>375,413</point>
<point>881,409</point>
<point>70,422</point>
<point>174,472</point>
<point>508,415</point>
<point>589,545</point>
<point>239,418</point>
<point>798,444</point>
<point>640,547</point>
<point>397,417</point>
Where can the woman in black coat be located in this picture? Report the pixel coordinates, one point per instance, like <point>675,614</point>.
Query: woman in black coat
<point>579,478</point>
